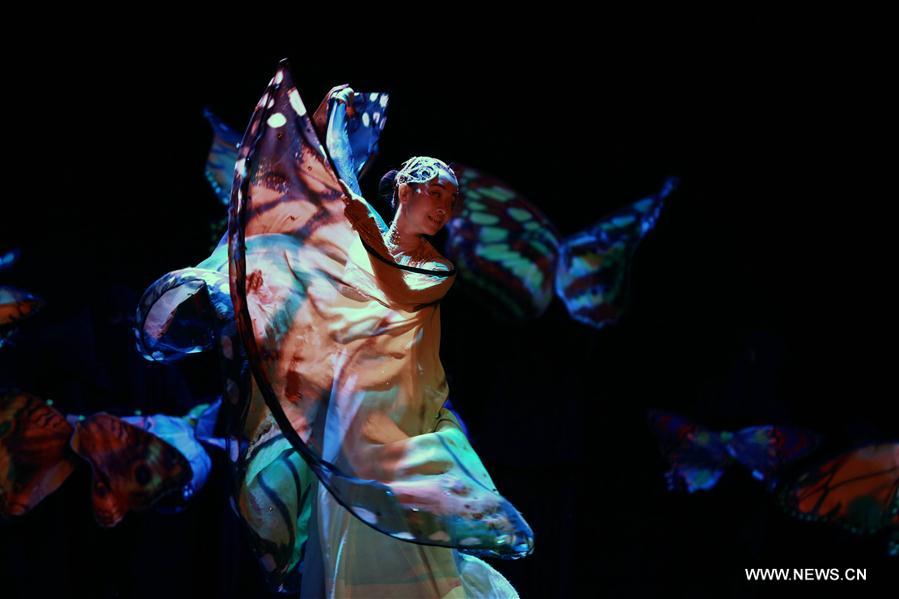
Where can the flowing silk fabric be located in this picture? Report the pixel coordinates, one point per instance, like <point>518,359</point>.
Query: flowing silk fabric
<point>343,344</point>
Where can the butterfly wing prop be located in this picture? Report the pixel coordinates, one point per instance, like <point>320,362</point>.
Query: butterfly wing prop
<point>697,456</point>
<point>35,458</point>
<point>856,490</point>
<point>178,432</point>
<point>504,248</point>
<point>594,265</point>
<point>132,468</point>
<point>360,128</point>
<point>363,130</point>
<point>222,156</point>
<point>765,450</point>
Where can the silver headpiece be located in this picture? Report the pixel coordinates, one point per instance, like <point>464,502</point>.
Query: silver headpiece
<point>421,169</point>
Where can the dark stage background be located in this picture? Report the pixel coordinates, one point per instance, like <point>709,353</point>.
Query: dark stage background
<point>758,299</point>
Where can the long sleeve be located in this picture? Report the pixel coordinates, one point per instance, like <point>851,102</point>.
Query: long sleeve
<point>400,285</point>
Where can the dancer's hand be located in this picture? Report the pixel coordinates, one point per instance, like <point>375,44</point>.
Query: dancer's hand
<point>342,93</point>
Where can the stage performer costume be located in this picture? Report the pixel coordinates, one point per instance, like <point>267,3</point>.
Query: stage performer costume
<point>343,342</point>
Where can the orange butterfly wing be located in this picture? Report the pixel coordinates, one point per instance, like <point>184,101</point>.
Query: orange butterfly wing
<point>34,452</point>
<point>132,469</point>
<point>857,490</point>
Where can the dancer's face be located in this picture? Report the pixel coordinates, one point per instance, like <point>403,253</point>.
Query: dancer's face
<point>426,207</point>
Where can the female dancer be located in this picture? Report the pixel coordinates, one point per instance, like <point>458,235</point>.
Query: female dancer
<point>340,318</point>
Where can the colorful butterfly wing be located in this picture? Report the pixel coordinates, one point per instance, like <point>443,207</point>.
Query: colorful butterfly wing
<point>697,456</point>
<point>16,304</point>
<point>34,452</point>
<point>504,248</point>
<point>364,124</point>
<point>222,156</point>
<point>179,433</point>
<point>132,468</point>
<point>856,490</point>
<point>764,450</point>
<point>365,120</point>
<point>592,275</point>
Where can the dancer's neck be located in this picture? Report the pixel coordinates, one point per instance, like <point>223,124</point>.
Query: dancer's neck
<point>400,242</point>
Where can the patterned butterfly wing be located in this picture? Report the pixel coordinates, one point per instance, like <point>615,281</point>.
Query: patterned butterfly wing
<point>697,456</point>
<point>132,468</point>
<point>370,112</point>
<point>34,452</point>
<point>594,265</point>
<point>179,433</point>
<point>365,118</point>
<point>764,450</point>
<point>504,248</point>
<point>16,304</point>
<point>856,490</point>
<point>222,156</point>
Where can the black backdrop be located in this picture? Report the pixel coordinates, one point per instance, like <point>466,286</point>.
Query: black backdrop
<point>756,300</point>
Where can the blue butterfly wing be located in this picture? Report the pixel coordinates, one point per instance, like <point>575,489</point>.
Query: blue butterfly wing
<point>593,269</point>
<point>364,127</point>
<point>697,456</point>
<point>764,450</point>
<point>222,156</point>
